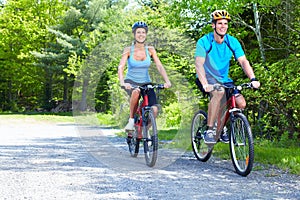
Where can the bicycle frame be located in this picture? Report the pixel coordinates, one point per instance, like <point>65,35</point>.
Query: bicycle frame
<point>227,108</point>
<point>143,107</point>
<point>141,111</point>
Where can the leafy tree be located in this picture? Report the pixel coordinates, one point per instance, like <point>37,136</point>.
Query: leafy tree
<point>74,40</point>
<point>22,31</point>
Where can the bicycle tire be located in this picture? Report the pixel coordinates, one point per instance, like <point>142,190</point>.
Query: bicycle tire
<point>201,150</point>
<point>241,144</point>
<point>150,140</point>
<point>134,144</point>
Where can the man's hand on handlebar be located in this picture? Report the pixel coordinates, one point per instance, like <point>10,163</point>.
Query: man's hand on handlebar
<point>209,87</point>
<point>255,84</point>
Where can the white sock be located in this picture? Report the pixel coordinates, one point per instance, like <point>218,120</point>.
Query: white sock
<point>131,120</point>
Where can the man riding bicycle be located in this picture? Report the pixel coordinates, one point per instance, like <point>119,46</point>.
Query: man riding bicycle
<point>212,61</point>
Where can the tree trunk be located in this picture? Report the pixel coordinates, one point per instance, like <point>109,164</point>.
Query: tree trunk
<point>258,33</point>
<point>83,102</point>
<point>48,104</point>
<point>66,89</point>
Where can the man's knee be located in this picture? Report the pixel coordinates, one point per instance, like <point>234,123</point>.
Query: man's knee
<point>240,101</point>
<point>217,95</point>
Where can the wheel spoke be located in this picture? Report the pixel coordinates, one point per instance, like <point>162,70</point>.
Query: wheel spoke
<point>133,144</point>
<point>150,140</point>
<point>241,145</point>
<point>201,150</point>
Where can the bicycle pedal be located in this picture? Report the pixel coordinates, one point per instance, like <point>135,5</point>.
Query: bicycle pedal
<point>128,140</point>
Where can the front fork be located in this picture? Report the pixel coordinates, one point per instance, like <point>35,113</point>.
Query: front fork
<point>232,122</point>
<point>145,114</point>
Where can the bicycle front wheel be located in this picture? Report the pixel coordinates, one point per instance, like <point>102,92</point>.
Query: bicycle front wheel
<point>201,150</point>
<point>241,145</point>
<point>150,140</point>
<point>134,144</point>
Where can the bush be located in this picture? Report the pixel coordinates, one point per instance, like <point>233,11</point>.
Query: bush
<point>172,113</point>
<point>274,109</point>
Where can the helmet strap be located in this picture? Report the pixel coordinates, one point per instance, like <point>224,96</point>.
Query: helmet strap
<point>219,33</point>
<point>222,36</point>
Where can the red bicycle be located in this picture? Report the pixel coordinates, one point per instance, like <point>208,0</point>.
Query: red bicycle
<point>240,134</point>
<point>145,128</point>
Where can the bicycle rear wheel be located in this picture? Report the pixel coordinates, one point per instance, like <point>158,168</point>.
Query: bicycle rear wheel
<point>150,140</point>
<point>241,145</point>
<point>134,144</point>
<point>201,150</point>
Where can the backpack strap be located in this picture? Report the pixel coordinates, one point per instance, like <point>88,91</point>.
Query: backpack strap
<point>210,42</point>
<point>226,40</point>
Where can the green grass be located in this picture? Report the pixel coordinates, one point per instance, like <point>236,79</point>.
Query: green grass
<point>286,158</point>
<point>167,134</point>
<point>45,117</point>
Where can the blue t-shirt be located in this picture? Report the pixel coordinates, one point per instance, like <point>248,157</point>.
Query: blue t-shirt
<point>138,71</point>
<point>217,60</point>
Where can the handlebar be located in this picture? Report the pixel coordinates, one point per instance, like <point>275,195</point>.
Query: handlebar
<point>217,86</point>
<point>147,86</point>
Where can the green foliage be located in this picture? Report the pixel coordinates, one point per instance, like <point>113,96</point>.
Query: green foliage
<point>279,93</point>
<point>173,114</point>
<point>106,119</point>
<point>23,25</point>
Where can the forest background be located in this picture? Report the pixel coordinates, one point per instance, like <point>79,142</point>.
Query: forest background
<point>62,56</point>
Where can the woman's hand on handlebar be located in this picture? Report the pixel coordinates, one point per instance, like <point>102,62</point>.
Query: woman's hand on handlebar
<point>127,86</point>
<point>167,85</point>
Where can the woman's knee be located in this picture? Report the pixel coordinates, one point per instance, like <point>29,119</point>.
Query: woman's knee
<point>135,94</point>
<point>155,110</point>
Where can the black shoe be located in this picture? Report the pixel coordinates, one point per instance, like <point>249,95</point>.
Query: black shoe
<point>129,138</point>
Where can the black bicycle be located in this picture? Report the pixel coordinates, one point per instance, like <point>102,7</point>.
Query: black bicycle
<point>145,128</point>
<point>240,134</point>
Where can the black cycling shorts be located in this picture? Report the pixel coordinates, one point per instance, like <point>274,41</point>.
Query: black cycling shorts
<point>151,93</point>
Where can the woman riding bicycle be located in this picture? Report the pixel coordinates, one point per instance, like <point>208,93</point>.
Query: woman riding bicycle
<point>212,59</point>
<point>138,59</point>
